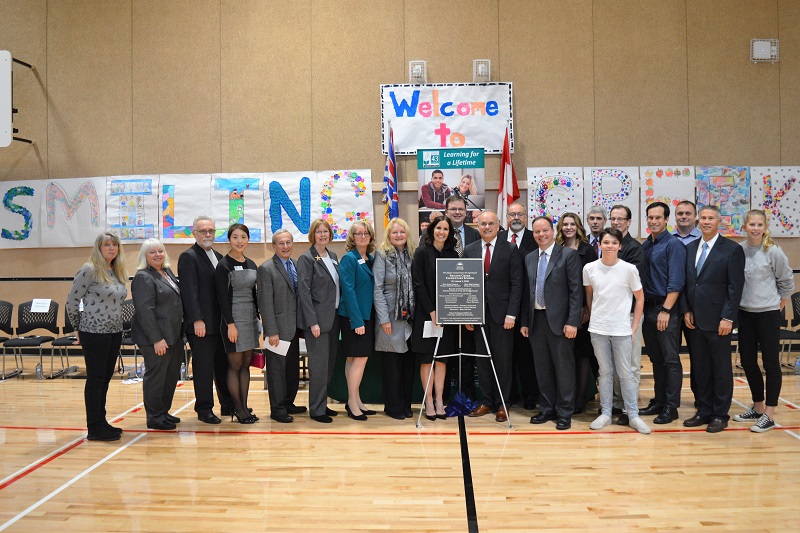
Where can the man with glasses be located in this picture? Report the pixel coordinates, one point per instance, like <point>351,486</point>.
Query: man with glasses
<point>201,319</point>
<point>456,211</point>
<point>523,374</point>
<point>502,267</point>
<point>632,253</point>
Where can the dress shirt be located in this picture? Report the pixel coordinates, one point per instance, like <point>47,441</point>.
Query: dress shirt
<point>710,244</point>
<point>519,235</point>
<point>665,271</point>
<point>691,237</point>
<point>211,255</point>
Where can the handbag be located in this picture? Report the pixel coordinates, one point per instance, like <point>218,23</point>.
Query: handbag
<point>258,360</point>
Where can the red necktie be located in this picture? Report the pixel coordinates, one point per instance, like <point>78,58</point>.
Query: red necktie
<point>513,238</point>
<point>487,259</point>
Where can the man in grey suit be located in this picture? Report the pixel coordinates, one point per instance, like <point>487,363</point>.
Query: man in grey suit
<point>551,314</point>
<point>277,304</point>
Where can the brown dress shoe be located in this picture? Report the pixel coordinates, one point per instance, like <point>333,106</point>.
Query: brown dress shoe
<point>481,410</point>
<point>501,415</point>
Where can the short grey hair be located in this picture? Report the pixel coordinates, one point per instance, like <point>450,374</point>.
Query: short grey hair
<point>201,218</point>
<point>281,232</point>
<point>710,207</point>
<point>597,210</point>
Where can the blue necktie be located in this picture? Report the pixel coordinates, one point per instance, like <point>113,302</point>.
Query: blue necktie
<point>292,274</point>
<point>540,275</point>
<point>702,258</point>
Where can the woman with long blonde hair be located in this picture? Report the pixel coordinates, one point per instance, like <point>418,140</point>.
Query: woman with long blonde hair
<point>768,285</point>
<point>100,285</point>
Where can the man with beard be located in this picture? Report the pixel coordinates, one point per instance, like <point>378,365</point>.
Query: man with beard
<point>202,321</point>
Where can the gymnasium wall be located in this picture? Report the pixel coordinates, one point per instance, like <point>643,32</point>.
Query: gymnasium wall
<point>201,86</point>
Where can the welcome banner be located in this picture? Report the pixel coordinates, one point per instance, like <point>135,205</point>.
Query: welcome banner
<point>447,115</point>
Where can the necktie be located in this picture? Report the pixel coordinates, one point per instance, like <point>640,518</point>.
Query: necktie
<point>541,272</point>
<point>292,274</point>
<point>596,246</point>
<point>487,259</point>
<point>702,258</point>
<point>459,244</point>
<point>513,238</point>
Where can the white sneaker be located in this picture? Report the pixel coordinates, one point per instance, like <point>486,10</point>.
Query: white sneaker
<point>600,422</point>
<point>639,425</point>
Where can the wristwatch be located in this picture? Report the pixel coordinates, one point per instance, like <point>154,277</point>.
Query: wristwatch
<point>665,310</point>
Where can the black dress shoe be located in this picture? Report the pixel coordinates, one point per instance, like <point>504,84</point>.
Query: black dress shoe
<point>716,425</point>
<point>529,405</point>
<point>668,414</point>
<point>209,418</point>
<point>103,436</point>
<point>112,429</point>
<point>396,416</point>
<point>362,417</point>
<point>695,421</point>
<point>283,419</point>
<point>542,417</point>
<point>563,423</point>
<point>330,412</point>
<point>173,419</point>
<point>408,413</point>
<point>623,420</point>
<point>165,425</point>
<point>369,412</point>
<point>578,410</point>
<point>296,409</point>
<point>324,419</point>
<point>652,409</point>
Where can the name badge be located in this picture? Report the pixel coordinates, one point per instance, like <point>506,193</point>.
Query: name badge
<point>237,267</point>
<point>361,261</point>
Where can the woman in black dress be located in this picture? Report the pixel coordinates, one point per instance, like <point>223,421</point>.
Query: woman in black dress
<point>439,243</point>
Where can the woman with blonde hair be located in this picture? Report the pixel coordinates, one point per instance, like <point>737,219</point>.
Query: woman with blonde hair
<point>317,300</point>
<point>394,309</point>
<point>100,285</point>
<point>571,234</point>
<point>768,285</point>
<point>157,329</point>
<point>355,312</point>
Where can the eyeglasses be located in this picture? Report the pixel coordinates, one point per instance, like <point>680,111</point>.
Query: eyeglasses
<point>516,215</point>
<point>612,220</point>
<point>361,234</point>
<point>205,231</point>
<point>487,224</point>
<point>456,209</point>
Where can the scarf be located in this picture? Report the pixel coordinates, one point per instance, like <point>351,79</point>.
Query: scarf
<point>404,301</point>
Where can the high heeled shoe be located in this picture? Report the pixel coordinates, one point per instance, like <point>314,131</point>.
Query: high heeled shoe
<point>369,412</point>
<point>442,416</point>
<point>246,420</point>
<point>360,417</point>
<point>430,417</point>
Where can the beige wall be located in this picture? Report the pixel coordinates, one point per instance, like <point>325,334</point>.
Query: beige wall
<point>183,86</point>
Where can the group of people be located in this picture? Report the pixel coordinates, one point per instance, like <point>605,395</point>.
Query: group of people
<point>560,303</point>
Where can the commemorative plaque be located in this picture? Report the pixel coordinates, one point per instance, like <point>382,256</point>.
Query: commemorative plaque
<point>459,291</point>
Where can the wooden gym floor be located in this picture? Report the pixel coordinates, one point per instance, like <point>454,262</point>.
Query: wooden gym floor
<point>383,474</point>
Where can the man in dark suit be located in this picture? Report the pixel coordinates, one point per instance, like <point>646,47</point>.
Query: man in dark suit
<point>277,304</point>
<point>523,374</point>
<point>714,283</point>
<point>201,321</point>
<point>502,293</point>
<point>551,314</point>
<point>631,252</point>
<point>456,211</point>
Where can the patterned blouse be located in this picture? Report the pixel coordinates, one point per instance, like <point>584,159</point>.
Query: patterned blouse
<point>102,303</point>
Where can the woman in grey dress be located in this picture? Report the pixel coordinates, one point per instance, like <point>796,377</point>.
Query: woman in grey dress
<point>394,307</point>
<point>235,278</point>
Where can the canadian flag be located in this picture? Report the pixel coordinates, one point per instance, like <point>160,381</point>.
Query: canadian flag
<point>509,190</point>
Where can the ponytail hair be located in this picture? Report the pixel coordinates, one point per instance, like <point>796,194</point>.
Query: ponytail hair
<point>766,239</point>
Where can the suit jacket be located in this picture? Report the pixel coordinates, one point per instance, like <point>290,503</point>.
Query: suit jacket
<point>526,245</point>
<point>503,286</point>
<point>358,286</point>
<point>632,253</point>
<point>316,298</point>
<point>159,311</point>
<point>471,235</point>
<point>277,302</point>
<point>716,292</point>
<point>563,289</point>
<point>197,289</point>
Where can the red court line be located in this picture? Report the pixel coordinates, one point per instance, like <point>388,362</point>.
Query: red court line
<point>41,464</point>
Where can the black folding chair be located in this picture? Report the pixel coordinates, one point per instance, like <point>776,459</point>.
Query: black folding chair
<point>62,344</point>
<point>6,310</point>
<point>28,321</point>
<point>128,310</point>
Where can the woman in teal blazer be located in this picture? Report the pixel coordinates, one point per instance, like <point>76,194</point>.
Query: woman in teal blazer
<point>355,310</point>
